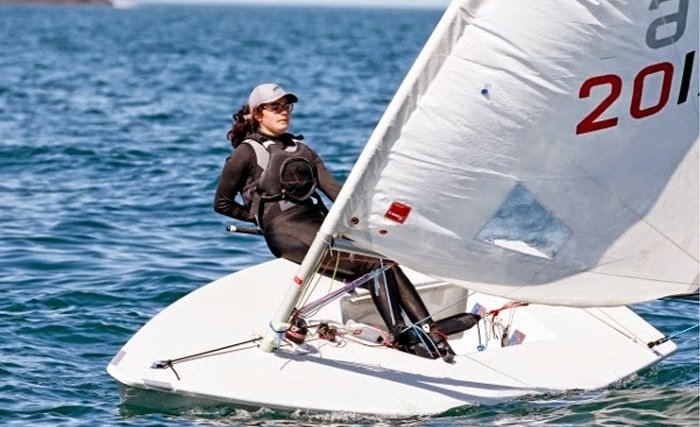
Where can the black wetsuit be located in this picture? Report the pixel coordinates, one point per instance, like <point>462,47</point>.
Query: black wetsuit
<point>289,232</point>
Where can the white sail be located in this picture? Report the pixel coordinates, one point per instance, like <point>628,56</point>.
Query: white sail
<point>545,151</point>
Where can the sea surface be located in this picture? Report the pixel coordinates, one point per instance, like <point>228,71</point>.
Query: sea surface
<point>112,136</point>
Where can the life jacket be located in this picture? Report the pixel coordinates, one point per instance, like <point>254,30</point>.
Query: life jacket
<point>288,176</point>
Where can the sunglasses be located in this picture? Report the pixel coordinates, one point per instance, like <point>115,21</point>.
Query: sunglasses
<point>278,108</point>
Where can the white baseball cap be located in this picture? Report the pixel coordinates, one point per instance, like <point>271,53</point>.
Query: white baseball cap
<point>269,92</point>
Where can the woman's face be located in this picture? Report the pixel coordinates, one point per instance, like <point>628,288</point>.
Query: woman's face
<point>274,118</point>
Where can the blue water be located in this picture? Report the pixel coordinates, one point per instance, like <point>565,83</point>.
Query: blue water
<point>112,136</point>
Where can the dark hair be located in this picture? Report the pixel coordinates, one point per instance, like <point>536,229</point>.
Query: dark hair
<point>242,125</point>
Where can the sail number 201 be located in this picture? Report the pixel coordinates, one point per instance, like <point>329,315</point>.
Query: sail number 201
<point>597,119</point>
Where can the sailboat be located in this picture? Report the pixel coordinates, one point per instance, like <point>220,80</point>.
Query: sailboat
<point>124,4</point>
<point>537,169</point>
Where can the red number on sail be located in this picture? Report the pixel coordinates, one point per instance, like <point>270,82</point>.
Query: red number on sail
<point>594,121</point>
<point>636,110</point>
<point>591,122</point>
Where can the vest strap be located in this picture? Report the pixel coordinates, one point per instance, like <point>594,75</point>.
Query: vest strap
<point>262,155</point>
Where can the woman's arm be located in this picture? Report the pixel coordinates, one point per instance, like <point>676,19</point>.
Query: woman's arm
<point>326,182</point>
<point>237,172</point>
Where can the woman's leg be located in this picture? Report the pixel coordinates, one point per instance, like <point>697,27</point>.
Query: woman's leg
<point>410,300</point>
<point>383,290</point>
<point>392,293</point>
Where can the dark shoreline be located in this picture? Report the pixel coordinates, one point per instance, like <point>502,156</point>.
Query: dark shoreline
<point>59,2</point>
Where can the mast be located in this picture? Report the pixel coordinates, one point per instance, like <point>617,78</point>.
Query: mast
<point>385,134</point>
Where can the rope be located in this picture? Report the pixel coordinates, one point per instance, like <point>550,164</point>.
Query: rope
<point>494,315</point>
<point>310,290</point>
<point>162,364</point>
<point>511,304</point>
<point>340,291</point>
<point>664,339</point>
<point>480,346</point>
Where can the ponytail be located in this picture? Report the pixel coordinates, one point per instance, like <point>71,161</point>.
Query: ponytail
<point>242,125</point>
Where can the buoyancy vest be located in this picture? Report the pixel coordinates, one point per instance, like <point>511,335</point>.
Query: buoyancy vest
<point>288,176</point>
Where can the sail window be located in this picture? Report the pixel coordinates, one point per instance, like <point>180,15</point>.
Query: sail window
<point>522,224</point>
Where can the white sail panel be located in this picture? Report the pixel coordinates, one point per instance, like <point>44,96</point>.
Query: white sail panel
<point>545,151</point>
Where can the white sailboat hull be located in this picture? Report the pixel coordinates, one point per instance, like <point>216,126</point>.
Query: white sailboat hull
<point>563,349</point>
